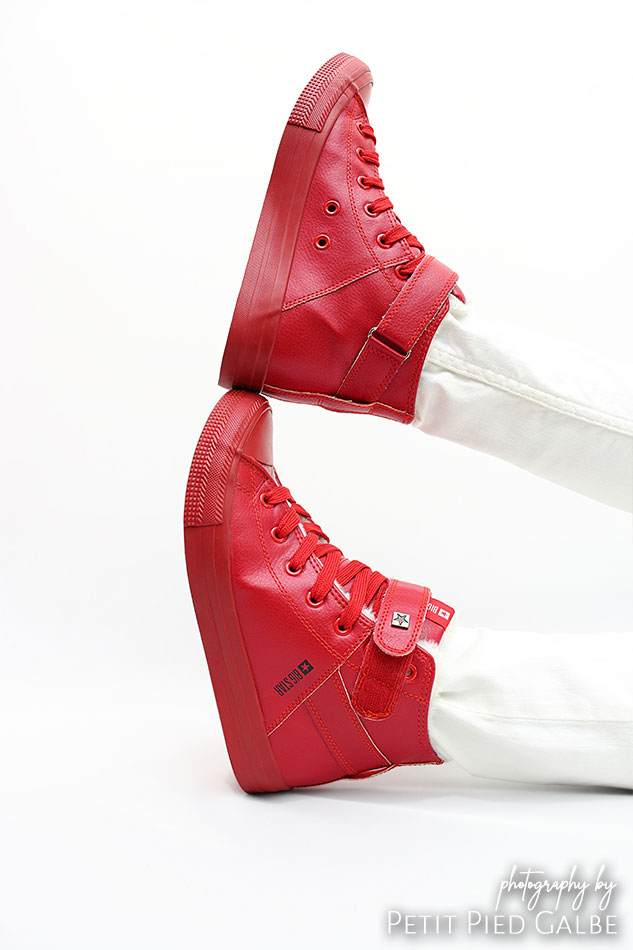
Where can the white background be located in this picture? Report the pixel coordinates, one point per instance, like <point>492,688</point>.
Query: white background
<point>137,141</point>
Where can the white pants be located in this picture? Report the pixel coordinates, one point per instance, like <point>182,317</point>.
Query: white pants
<point>516,706</point>
<point>554,409</point>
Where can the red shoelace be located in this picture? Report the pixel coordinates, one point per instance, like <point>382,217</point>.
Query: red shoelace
<point>365,583</point>
<point>382,204</point>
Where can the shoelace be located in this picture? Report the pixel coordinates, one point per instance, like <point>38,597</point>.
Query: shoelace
<point>366,584</point>
<point>382,204</point>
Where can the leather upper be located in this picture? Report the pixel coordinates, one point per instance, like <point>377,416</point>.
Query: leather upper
<point>337,293</point>
<point>305,671</point>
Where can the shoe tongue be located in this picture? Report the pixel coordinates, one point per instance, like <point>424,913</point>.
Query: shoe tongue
<point>260,442</point>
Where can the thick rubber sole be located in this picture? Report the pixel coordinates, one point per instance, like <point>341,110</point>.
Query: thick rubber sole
<point>257,312</point>
<point>233,426</point>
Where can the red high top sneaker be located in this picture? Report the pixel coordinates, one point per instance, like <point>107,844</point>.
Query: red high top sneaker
<point>315,660</point>
<point>339,301</point>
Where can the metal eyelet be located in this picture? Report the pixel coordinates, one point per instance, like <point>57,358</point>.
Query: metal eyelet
<point>311,602</point>
<point>370,211</point>
<point>359,126</point>
<point>275,536</point>
<point>399,273</point>
<point>291,572</point>
<point>264,500</point>
<point>381,240</point>
<point>359,152</point>
<point>362,181</point>
<point>342,631</point>
<point>412,672</point>
<point>321,242</point>
<point>331,207</point>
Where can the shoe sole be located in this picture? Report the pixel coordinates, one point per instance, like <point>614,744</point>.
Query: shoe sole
<point>257,312</point>
<point>207,519</point>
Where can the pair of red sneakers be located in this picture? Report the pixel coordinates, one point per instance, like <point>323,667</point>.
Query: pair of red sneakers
<point>317,662</point>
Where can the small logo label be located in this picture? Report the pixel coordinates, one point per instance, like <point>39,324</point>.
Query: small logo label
<point>294,676</point>
<point>439,613</point>
<point>400,620</point>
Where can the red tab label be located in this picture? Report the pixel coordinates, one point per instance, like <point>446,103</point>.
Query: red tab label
<point>439,613</point>
<point>436,620</point>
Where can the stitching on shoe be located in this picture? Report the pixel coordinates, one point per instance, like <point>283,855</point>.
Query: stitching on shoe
<point>291,305</point>
<point>415,696</point>
<point>331,742</point>
<point>418,358</point>
<point>395,365</point>
<point>279,392</point>
<point>286,715</point>
<point>360,728</point>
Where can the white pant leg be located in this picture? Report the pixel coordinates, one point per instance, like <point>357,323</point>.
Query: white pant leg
<point>534,707</point>
<point>552,408</point>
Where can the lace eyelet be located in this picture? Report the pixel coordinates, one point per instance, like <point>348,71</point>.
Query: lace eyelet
<point>331,207</point>
<point>359,152</point>
<point>264,500</point>
<point>359,126</point>
<point>311,602</point>
<point>411,673</point>
<point>381,240</point>
<point>370,211</point>
<point>321,242</point>
<point>342,631</point>
<point>291,572</point>
<point>362,181</point>
<point>397,271</point>
<point>275,536</point>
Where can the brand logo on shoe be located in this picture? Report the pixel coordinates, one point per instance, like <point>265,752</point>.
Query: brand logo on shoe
<point>439,612</point>
<point>294,676</point>
<point>400,620</point>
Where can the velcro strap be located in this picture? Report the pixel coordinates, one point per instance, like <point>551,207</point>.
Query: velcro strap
<point>387,658</point>
<point>390,343</point>
<point>379,683</point>
<point>400,618</point>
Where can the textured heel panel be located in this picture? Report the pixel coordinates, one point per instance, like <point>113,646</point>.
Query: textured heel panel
<point>324,89</point>
<point>215,451</point>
